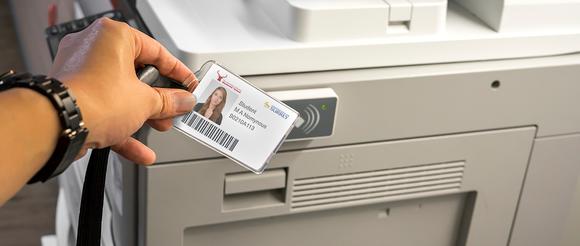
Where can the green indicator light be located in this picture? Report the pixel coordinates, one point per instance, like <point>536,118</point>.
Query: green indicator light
<point>324,107</point>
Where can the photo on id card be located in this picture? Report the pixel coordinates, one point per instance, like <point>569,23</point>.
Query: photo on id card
<point>235,118</point>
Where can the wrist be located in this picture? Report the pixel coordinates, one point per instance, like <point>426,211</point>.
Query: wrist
<point>39,115</point>
<point>72,134</point>
<point>85,105</point>
<point>29,135</point>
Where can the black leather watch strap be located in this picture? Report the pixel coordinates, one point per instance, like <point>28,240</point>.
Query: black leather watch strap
<point>74,133</point>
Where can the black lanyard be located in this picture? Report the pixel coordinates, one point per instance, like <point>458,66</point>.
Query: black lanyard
<point>91,212</point>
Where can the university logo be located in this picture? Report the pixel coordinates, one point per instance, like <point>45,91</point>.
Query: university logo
<point>276,110</point>
<point>221,77</point>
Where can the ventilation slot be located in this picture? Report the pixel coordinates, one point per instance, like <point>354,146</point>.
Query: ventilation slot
<point>374,185</point>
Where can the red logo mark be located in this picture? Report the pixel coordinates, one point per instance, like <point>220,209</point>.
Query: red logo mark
<point>221,77</point>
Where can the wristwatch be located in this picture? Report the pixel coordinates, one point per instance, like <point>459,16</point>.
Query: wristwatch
<point>72,138</point>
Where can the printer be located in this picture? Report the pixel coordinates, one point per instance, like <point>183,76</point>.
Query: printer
<point>427,122</point>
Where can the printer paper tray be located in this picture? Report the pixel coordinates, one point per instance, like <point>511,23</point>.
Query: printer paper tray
<point>431,184</point>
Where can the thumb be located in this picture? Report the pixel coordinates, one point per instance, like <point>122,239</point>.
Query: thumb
<point>172,102</point>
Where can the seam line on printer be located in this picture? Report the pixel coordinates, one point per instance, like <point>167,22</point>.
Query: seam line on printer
<point>558,135</point>
<point>367,142</point>
<point>522,188</point>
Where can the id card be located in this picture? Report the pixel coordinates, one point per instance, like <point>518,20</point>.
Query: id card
<point>235,118</point>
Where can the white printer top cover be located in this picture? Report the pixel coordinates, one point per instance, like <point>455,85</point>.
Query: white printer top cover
<point>284,36</point>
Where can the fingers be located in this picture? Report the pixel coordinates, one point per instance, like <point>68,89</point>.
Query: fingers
<point>149,51</point>
<point>161,125</point>
<point>172,102</point>
<point>135,151</point>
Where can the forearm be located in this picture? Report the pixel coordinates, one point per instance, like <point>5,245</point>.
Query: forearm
<point>28,136</point>
<point>98,65</point>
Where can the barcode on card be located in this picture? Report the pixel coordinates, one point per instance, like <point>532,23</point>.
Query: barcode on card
<point>210,130</point>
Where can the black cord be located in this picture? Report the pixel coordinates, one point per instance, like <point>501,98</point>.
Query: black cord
<point>91,211</point>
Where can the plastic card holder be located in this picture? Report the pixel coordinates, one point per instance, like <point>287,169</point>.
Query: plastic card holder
<point>235,118</point>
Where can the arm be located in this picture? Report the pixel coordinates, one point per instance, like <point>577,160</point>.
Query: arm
<point>28,133</point>
<point>98,66</point>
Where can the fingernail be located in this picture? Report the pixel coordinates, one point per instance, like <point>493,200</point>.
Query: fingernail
<point>184,102</point>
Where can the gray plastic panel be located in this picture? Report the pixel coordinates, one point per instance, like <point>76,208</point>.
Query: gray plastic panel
<point>570,236</point>
<point>236,183</point>
<point>405,102</point>
<point>184,202</point>
<point>396,223</point>
<point>548,192</point>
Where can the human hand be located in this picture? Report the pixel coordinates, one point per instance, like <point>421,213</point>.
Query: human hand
<point>98,65</point>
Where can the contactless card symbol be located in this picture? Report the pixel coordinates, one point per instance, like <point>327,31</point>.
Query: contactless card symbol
<point>311,117</point>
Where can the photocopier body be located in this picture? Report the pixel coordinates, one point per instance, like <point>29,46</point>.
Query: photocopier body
<point>455,123</point>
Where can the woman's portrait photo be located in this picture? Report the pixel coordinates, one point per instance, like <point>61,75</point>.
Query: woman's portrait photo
<point>213,105</point>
